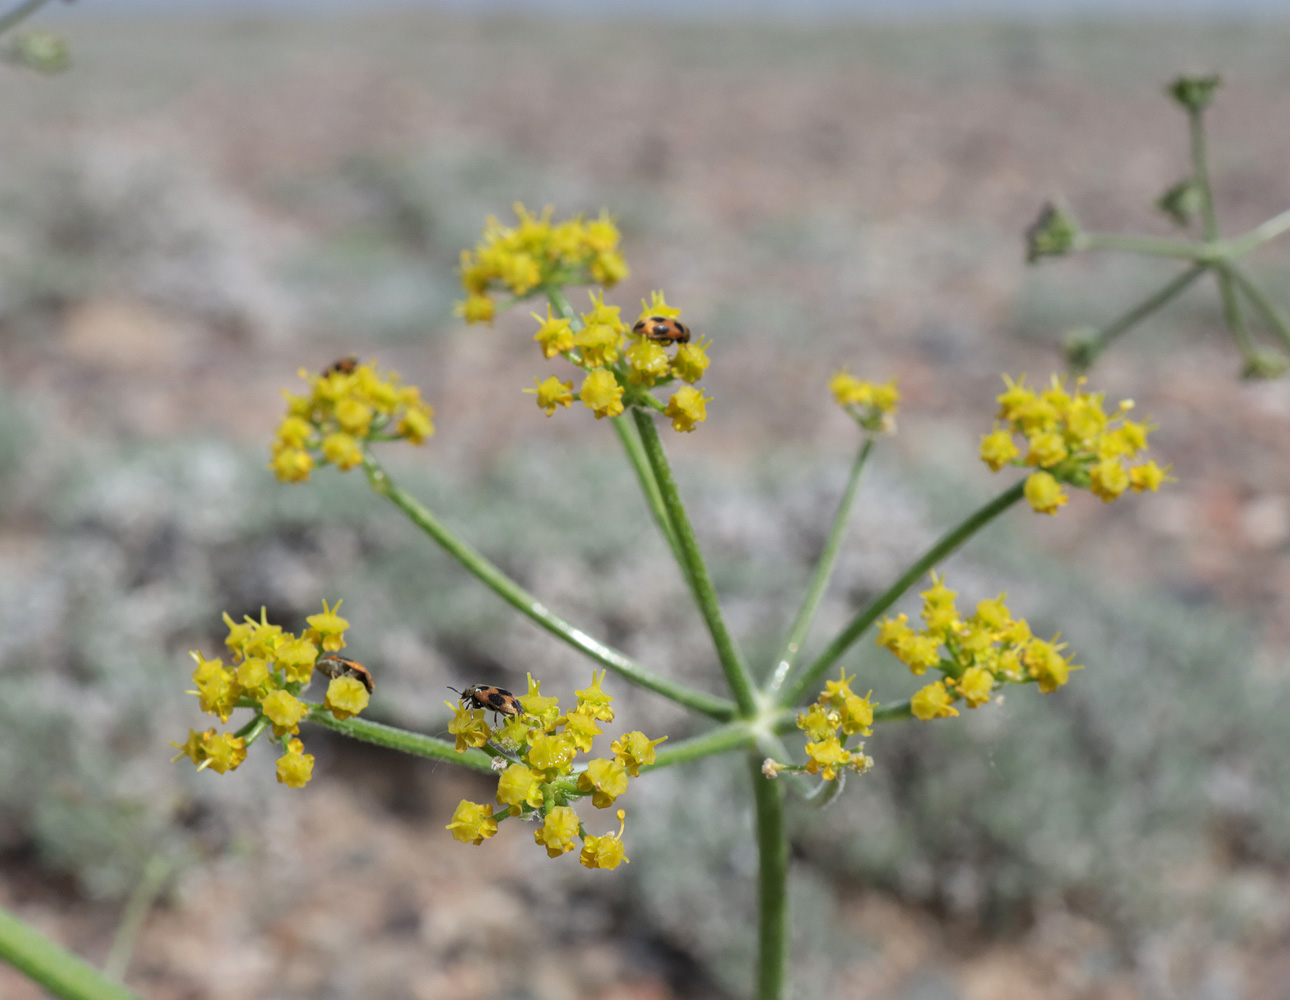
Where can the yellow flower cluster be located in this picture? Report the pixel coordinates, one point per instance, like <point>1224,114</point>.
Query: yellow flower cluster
<point>837,714</point>
<point>974,655</point>
<point>541,744</point>
<point>1069,439</point>
<point>347,406</point>
<point>872,405</point>
<point>268,670</point>
<point>620,364</point>
<point>535,253</point>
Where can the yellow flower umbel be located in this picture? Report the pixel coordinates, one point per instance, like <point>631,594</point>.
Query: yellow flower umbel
<point>1069,440</point>
<point>837,715</point>
<point>543,778</point>
<point>346,408</point>
<point>269,669</point>
<point>974,655</point>
<point>535,253</point>
<point>872,405</point>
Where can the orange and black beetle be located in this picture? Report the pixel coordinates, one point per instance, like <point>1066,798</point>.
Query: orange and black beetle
<point>333,666</point>
<point>671,331</point>
<point>344,366</point>
<point>492,699</point>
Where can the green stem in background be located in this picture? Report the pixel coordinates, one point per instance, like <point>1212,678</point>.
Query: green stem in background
<point>522,600</point>
<point>1149,246</point>
<point>398,739</point>
<point>772,883</point>
<point>820,579</point>
<point>1234,314</point>
<point>1122,324</point>
<point>52,966</point>
<point>1265,306</point>
<point>705,594</point>
<point>155,873</point>
<point>19,14</point>
<point>1200,174</point>
<point>944,546</point>
<point>630,442</point>
<point>894,711</point>
<point>722,739</point>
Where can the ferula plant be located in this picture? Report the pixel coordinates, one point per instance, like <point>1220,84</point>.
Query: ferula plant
<point>1188,202</point>
<point>798,724</point>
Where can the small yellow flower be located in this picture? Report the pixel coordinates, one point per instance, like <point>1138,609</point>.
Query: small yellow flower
<point>918,652</point>
<point>354,416</point>
<point>327,630</point>
<point>606,851</point>
<point>539,706</point>
<point>295,767</point>
<point>1046,664</point>
<point>886,396</point>
<point>691,360</point>
<point>1108,479</point>
<point>475,309</point>
<point>602,314</point>
<point>598,344</point>
<point>819,722</point>
<point>472,823</point>
<point>635,750</point>
<point>602,394</point>
<point>687,408</point>
<point>1046,449</point>
<point>552,753</point>
<point>933,702</point>
<point>292,465</point>
<point>342,451</point>
<point>194,748</point>
<point>294,432</point>
<point>608,268</point>
<point>605,779</point>
<point>657,306</point>
<point>826,756</point>
<point>217,687</point>
<point>224,752</point>
<point>558,831</point>
<point>346,696</point>
<point>296,657</point>
<point>253,676</point>
<point>417,424</point>
<point>467,725</point>
<point>849,390</point>
<point>647,362</point>
<point>285,711</point>
<point>518,787</point>
<point>552,393</point>
<point>555,335</point>
<point>975,686</point>
<point>1044,493</point>
<point>1149,476</point>
<point>893,631</point>
<point>856,713</point>
<point>593,701</point>
<point>581,730</point>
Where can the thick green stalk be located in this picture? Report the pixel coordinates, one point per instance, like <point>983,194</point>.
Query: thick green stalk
<point>398,739</point>
<point>1149,246</point>
<point>522,600</point>
<point>1265,306</point>
<point>772,883</point>
<point>1122,324</point>
<point>944,546</point>
<point>705,594</point>
<point>820,579</point>
<point>53,966</point>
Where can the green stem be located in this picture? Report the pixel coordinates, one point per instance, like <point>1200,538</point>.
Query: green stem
<point>522,600</point>
<point>399,739</point>
<point>630,442</point>
<point>705,594</point>
<point>1234,314</point>
<point>944,546</point>
<point>772,883</point>
<point>722,739</point>
<point>893,711</point>
<point>52,966</point>
<point>1149,246</point>
<point>645,476</point>
<point>155,873</point>
<point>1256,237</point>
<point>20,14</point>
<point>1200,172</point>
<point>1113,330</point>
<point>823,570</point>
<point>1266,307</point>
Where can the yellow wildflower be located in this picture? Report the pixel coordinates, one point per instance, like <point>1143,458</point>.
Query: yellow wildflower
<point>605,779</point>
<point>602,394</point>
<point>1044,493</point>
<point>933,702</point>
<point>687,408</point>
<point>295,767</point>
<point>346,696</point>
<point>552,393</point>
<point>558,831</point>
<point>472,823</point>
<point>605,851</point>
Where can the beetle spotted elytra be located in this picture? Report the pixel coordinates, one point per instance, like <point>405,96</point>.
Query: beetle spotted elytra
<point>662,328</point>
<point>333,666</point>
<point>493,699</point>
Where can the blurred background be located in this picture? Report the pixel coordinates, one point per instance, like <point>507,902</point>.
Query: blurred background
<point>216,195</point>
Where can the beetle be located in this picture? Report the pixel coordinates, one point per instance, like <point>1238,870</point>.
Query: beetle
<point>345,365</point>
<point>333,666</point>
<point>493,699</point>
<point>662,328</point>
